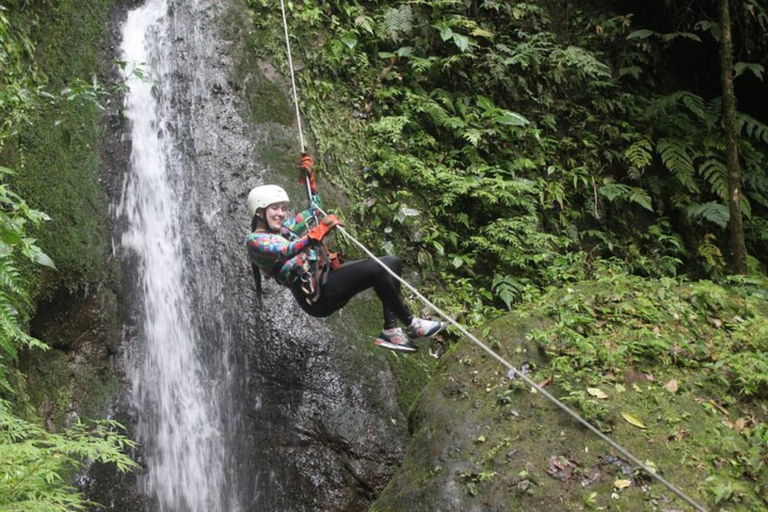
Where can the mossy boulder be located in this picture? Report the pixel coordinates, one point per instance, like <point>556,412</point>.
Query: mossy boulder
<point>484,441</point>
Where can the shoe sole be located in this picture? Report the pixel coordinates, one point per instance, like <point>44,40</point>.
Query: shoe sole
<point>393,347</point>
<point>443,325</point>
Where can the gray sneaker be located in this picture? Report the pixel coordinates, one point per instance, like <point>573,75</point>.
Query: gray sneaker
<point>395,339</point>
<point>421,328</point>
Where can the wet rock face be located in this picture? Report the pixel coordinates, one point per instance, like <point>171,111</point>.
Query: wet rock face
<point>310,413</point>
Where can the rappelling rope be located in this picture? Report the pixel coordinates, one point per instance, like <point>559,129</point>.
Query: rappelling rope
<point>293,76</point>
<point>651,472</point>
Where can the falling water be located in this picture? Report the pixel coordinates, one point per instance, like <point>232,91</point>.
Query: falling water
<point>179,419</point>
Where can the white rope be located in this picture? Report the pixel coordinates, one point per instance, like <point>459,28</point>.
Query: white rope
<point>293,77</point>
<point>651,472</point>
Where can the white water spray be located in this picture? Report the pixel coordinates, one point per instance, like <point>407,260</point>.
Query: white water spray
<point>179,423</point>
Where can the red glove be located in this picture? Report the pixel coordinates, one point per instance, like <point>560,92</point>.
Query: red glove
<point>318,232</point>
<point>306,172</point>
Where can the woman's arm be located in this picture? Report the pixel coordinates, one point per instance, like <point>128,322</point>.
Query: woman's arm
<point>266,245</point>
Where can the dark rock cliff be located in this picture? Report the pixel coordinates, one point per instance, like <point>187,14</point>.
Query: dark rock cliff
<point>310,410</point>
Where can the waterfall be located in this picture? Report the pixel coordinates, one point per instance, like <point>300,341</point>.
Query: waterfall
<point>175,388</point>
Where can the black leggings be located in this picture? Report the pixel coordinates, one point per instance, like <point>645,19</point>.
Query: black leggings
<point>354,277</point>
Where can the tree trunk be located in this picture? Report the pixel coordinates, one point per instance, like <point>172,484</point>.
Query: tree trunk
<point>736,225</point>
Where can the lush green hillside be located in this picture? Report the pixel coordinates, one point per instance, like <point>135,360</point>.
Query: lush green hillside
<point>566,160</point>
<point>505,146</point>
<point>675,373</point>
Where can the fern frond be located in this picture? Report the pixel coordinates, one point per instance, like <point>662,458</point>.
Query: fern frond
<point>716,174</point>
<point>639,154</point>
<point>473,136</point>
<point>583,62</point>
<point>390,127</point>
<point>675,156</point>
<point>695,104</point>
<point>752,128</point>
<point>714,112</point>
<point>397,22</point>
<point>11,280</point>
<point>613,191</point>
<point>435,110</point>
<point>712,211</point>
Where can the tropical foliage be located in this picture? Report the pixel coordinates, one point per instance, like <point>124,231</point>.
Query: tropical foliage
<point>37,465</point>
<point>504,137</point>
<point>511,149</point>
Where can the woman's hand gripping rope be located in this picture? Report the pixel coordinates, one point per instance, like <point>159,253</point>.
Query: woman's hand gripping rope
<point>306,174</point>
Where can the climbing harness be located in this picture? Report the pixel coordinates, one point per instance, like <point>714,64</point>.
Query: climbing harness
<point>573,414</point>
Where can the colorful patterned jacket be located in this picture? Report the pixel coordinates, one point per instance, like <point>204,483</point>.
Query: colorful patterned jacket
<point>277,255</point>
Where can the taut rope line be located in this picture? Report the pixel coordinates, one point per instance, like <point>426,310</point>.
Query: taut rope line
<point>573,414</point>
<point>293,77</point>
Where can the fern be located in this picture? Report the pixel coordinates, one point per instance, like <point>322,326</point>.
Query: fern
<point>397,22</point>
<point>390,128</point>
<point>508,289</point>
<point>696,105</point>
<point>11,280</point>
<point>716,213</point>
<point>473,136</point>
<point>639,154</point>
<point>675,156</point>
<point>614,191</point>
<point>716,174</point>
<point>752,128</point>
<point>582,61</point>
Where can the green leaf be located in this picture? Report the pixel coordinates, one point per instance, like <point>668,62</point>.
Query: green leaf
<point>349,39</point>
<point>640,34</point>
<point>10,237</point>
<point>405,51</point>
<point>632,420</point>
<point>511,119</point>
<point>43,259</point>
<point>485,103</point>
<point>740,67</point>
<point>462,42</point>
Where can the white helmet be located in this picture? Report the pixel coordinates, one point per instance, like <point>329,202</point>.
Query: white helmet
<point>265,195</point>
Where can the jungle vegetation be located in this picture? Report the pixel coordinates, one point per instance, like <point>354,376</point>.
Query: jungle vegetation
<point>505,148</point>
<point>49,115</point>
<point>511,150</point>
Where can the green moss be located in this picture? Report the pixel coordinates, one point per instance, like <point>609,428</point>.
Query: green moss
<point>267,101</point>
<point>57,154</point>
<point>483,438</point>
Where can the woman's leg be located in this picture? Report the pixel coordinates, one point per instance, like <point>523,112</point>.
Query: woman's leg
<point>356,276</point>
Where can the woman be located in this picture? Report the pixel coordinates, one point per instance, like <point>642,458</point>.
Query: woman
<point>290,250</point>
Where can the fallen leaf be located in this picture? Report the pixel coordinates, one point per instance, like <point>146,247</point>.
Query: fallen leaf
<point>671,386</point>
<point>716,322</point>
<point>597,393</point>
<point>632,420</point>
<point>740,424</point>
<point>622,484</point>
<point>620,388</point>
<point>545,382</point>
